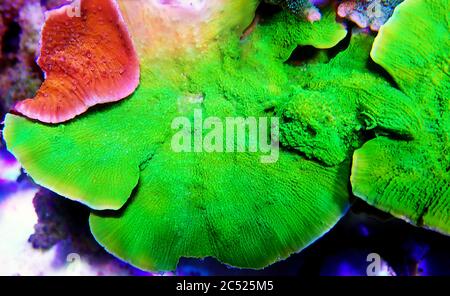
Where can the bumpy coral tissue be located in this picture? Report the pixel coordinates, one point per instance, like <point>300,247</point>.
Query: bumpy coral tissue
<point>195,64</point>
<point>88,60</point>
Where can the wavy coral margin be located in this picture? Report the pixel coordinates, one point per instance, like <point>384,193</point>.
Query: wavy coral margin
<point>87,59</point>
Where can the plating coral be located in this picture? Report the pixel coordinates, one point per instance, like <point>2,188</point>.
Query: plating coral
<point>229,205</point>
<point>72,86</point>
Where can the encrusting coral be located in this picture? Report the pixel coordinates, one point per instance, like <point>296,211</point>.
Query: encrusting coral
<point>337,101</point>
<point>231,206</point>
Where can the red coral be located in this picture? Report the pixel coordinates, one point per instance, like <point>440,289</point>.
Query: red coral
<point>88,59</point>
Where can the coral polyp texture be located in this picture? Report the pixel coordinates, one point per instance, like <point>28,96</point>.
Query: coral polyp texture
<point>164,203</point>
<point>410,177</point>
<point>74,84</point>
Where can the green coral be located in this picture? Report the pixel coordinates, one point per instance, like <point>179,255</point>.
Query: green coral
<point>275,40</point>
<point>227,205</point>
<point>410,177</point>
<point>337,102</point>
<point>230,205</point>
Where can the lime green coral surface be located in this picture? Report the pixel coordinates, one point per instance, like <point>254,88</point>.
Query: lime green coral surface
<point>169,205</point>
<point>410,177</point>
